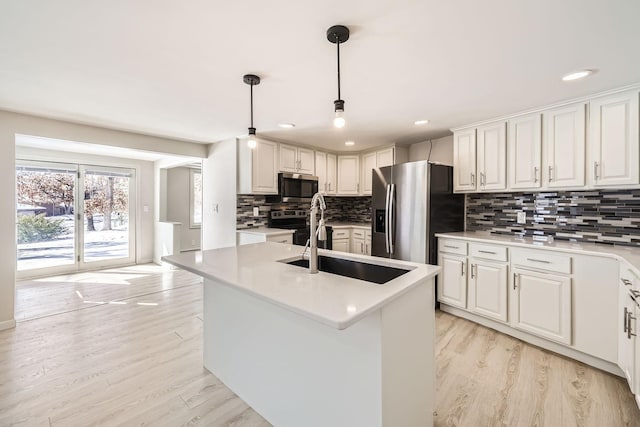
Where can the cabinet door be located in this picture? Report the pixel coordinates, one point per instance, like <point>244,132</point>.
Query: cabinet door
<point>492,156</point>
<point>369,162</point>
<point>464,160</point>
<point>385,157</point>
<point>306,161</point>
<point>541,304</point>
<point>264,177</point>
<point>614,140</point>
<point>524,140</point>
<point>348,175</point>
<point>626,342</point>
<point>564,143</point>
<point>452,288</point>
<point>488,289</point>
<point>331,174</point>
<point>288,158</point>
<point>357,246</point>
<point>321,171</point>
<point>341,245</point>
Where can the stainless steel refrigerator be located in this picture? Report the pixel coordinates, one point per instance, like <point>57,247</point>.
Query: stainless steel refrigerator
<point>411,202</point>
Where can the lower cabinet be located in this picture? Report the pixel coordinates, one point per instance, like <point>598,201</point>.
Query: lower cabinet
<point>541,304</point>
<point>341,245</point>
<point>488,289</point>
<point>452,288</point>
<point>627,332</point>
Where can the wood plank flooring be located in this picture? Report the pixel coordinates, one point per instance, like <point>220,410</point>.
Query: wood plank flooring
<point>135,358</point>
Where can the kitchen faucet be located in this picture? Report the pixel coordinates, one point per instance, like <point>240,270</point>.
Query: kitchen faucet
<point>315,235</point>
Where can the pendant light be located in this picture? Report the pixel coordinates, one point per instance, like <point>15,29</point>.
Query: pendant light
<point>251,80</point>
<point>338,34</point>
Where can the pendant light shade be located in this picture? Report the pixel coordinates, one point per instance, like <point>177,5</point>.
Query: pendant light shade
<point>338,34</point>
<point>251,80</point>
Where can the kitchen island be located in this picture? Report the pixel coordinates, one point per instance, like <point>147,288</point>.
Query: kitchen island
<point>318,349</point>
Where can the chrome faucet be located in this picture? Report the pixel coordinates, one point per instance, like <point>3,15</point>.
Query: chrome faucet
<point>320,233</point>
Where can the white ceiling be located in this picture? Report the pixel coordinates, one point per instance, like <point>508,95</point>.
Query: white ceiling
<point>175,68</point>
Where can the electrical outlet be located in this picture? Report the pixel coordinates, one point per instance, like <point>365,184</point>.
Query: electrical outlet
<point>522,217</point>
<point>256,211</point>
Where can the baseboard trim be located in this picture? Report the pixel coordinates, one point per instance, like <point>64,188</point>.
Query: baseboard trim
<point>7,324</point>
<point>534,340</point>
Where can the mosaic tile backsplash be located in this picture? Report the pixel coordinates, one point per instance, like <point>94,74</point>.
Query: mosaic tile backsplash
<point>339,209</point>
<point>603,216</point>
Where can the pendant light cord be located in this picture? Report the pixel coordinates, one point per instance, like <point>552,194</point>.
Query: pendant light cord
<point>251,92</point>
<point>338,46</point>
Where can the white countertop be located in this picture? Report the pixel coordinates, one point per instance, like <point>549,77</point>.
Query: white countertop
<point>330,299</point>
<point>365,225</point>
<point>624,253</point>
<point>265,231</point>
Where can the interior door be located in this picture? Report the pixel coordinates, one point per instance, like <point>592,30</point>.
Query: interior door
<point>108,214</point>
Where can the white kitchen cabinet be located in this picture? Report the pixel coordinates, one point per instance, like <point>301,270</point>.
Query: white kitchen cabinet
<point>452,286</point>
<point>369,163</point>
<point>332,176</point>
<point>627,331</point>
<point>541,304</point>
<point>492,156</point>
<point>341,245</point>
<point>321,171</point>
<point>258,168</point>
<point>367,242</point>
<point>524,145</point>
<point>296,159</point>
<point>614,140</point>
<point>349,175</point>
<point>564,145</point>
<point>464,160</point>
<point>488,288</point>
<point>359,241</point>
<point>385,157</point>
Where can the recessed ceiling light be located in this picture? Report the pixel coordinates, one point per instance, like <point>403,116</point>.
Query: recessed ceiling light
<point>576,75</point>
<point>349,143</point>
<point>421,122</point>
<point>286,125</point>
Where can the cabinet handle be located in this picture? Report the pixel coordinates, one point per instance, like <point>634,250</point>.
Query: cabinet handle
<point>358,187</point>
<point>550,173</point>
<point>515,277</point>
<point>538,260</point>
<point>451,246</point>
<point>595,171</point>
<point>625,281</point>
<point>536,170</point>
<point>473,179</point>
<point>629,331</point>
<point>462,269</point>
<point>625,320</point>
<point>487,252</point>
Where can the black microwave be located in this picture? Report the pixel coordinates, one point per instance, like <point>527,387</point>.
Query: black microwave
<point>295,187</point>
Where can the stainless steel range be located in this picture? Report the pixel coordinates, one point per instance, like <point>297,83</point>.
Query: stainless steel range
<point>297,220</point>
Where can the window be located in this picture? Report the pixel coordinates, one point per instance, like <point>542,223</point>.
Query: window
<point>195,191</point>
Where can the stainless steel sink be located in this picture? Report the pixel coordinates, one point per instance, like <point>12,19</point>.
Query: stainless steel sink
<point>373,273</point>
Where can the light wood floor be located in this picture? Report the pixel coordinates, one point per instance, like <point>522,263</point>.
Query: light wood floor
<point>135,358</point>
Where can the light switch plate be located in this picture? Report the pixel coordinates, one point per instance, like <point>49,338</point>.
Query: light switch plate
<point>256,211</point>
<point>522,217</point>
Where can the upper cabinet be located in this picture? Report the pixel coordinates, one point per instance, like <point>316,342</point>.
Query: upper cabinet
<point>614,140</point>
<point>326,172</point>
<point>349,175</point>
<point>564,144</point>
<point>297,159</point>
<point>492,156</point>
<point>524,140</point>
<point>379,159</point>
<point>332,174</point>
<point>464,160</point>
<point>258,168</point>
<point>369,163</point>
<point>594,143</point>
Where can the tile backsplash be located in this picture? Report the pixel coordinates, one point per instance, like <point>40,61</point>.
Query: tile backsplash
<point>339,209</point>
<point>601,216</point>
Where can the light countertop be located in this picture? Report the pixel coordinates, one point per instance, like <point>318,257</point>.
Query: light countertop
<point>265,231</point>
<point>330,299</point>
<point>365,225</point>
<point>624,253</point>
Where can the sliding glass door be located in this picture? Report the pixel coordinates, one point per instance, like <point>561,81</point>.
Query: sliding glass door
<point>71,217</point>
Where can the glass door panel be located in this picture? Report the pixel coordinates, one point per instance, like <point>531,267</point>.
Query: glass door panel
<point>45,216</point>
<point>108,215</point>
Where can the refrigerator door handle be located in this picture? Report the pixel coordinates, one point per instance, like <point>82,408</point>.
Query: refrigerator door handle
<point>386,219</point>
<point>391,217</point>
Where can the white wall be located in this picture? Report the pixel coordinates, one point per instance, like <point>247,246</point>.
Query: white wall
<point>219,196</point>
<point>144,188</point>
<point>15,123</point>
<point>442,151</point>
<point>179,206</point>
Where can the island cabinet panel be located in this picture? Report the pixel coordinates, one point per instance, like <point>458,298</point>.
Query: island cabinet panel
<point>295,371</point>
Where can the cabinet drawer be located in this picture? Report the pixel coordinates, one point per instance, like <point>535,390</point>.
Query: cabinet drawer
<point>367,235</point>
<point>358,233</point>
<point>494,252</point>
<point>541,260</point>
<point>341,233</point>
<point>282,238</point>
<point>451,246</point>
